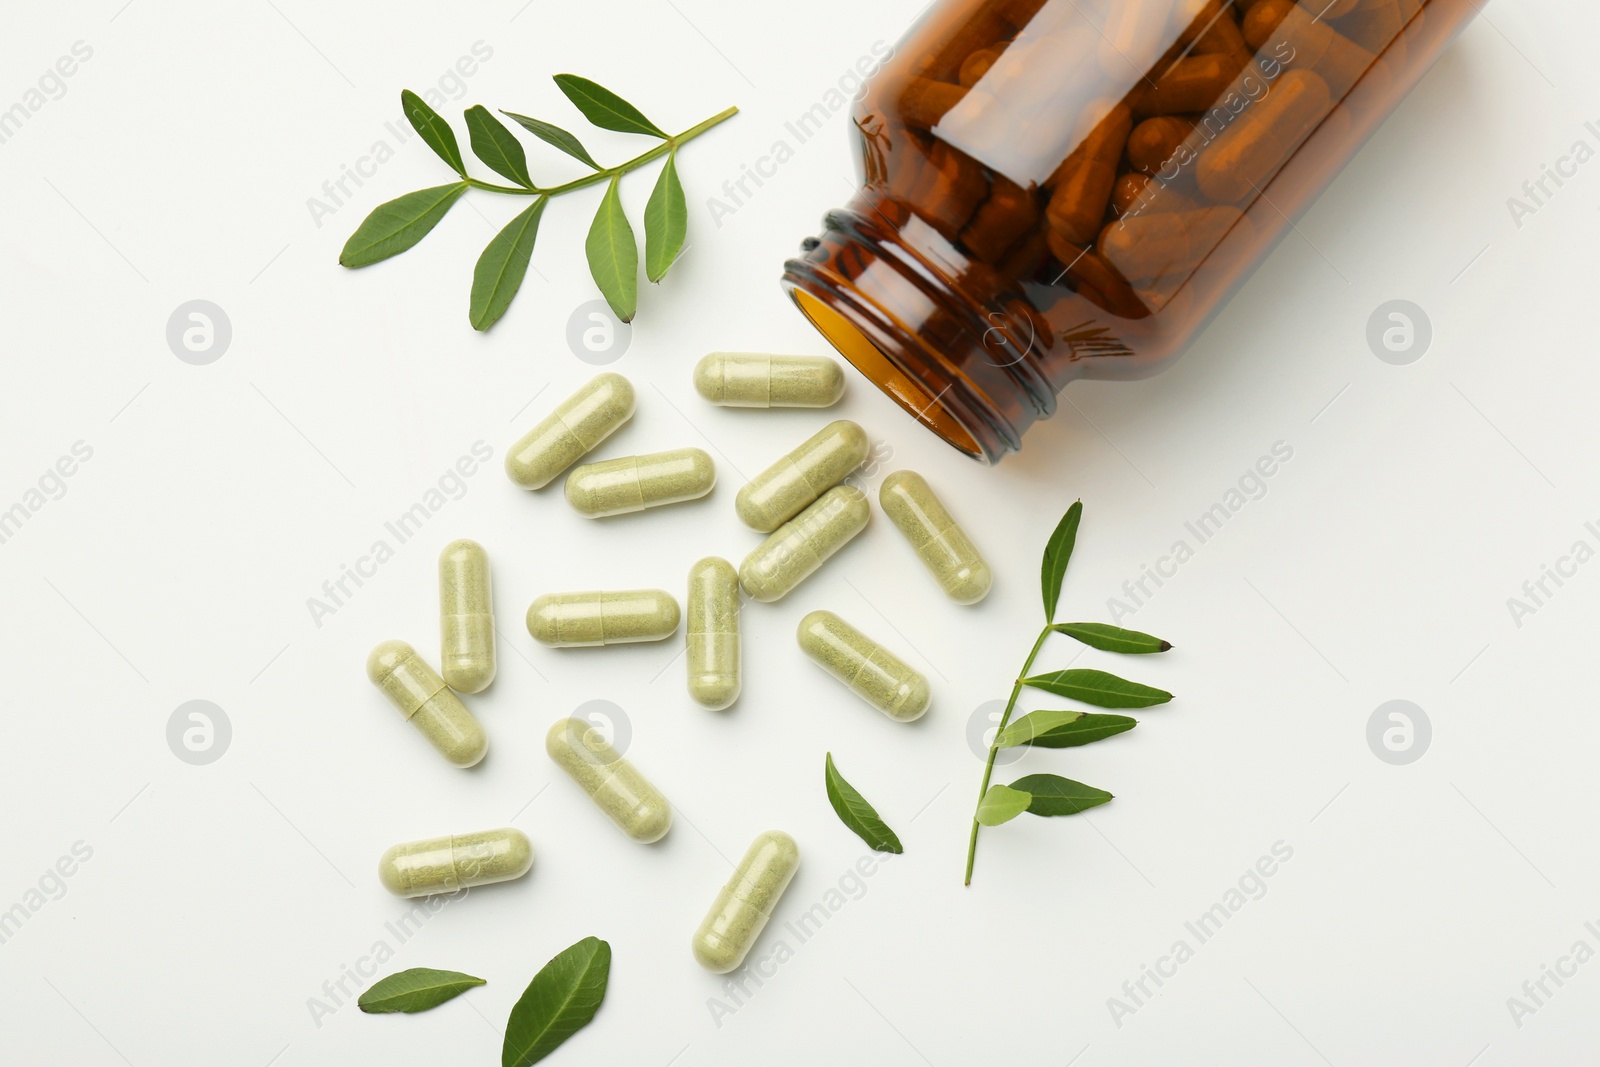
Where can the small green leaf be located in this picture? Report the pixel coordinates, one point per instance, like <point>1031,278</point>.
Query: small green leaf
<point>1082,728</point>
<point>1057,553</point>
<point>666,220</point>
<point>552,134</point>
<point>854,811</point>
<point>614,255</point>
<point>436,132</point>
<point>395,226</point>
<point>1098,688</point>
<point>500,269</point>
<point>1033,725</point>
<point>559,1002</point>
<point>497,146</point>
<point>1002,804</point>
<point>605,108</point>
<point>417,989</point>
<point>1108,638</point>
<point>1054,795</point>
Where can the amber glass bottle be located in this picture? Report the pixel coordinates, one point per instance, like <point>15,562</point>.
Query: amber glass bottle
<point>1055,189</point>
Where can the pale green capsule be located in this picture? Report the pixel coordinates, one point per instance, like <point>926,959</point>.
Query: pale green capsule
<point>616,787</point>
<point>633,483</point>
<point>466,617</point>
<point>821,462</point>
<point>459,861</point>
<point>422,697</point>
<point>603,618</point>
<point>574,428</point>
<point>800,546</point>
<point>872,672</point>
<point>944,548</point>
<point>754,380</point>
<point>745,904</point>
<point>713,633</point>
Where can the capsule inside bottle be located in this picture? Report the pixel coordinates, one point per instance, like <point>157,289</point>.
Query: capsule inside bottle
<point>458,861</point>
<point>615,785</point>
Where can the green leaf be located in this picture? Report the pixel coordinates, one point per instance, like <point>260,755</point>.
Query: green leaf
<point>614,255</point>
<point>605,108</point>
<point>1054,795</point>
<point>395,226</point>
<point>1057,553</point>
<point>1002,804</point>
<point>559,1002</point>
<point>854,811</point>
<point>417,989</point>
<point>666,220</point>
<point>500,269</point>
<point>497,146</point>
<point>552,134</point>
<point>436,132</point>
<point>1109,638</point>
<point>1098,688</point>
<point>1063,729</point>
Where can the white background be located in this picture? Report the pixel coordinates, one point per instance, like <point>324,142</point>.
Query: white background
<point>219,899</point>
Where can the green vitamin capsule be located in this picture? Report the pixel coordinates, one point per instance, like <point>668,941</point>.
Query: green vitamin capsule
<point>581,422</point>
<point>800,546</point>
<point>713,633</point>
<point>422,697</point>
<point>753,380</point>
<point>616,787</point>
<point>633,483</point>
<point>778,493</point>
<point>944,548</point>
<point>466,617</point>
<point>872,672</point>
<point>459,861</point>
<point>746,902</point>
<point>603,618</point>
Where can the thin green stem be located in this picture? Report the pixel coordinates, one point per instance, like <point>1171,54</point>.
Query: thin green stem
<point>609,172</point>
<point>994,748</point>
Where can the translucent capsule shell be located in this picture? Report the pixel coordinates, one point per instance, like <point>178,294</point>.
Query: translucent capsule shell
<point>574,428</point>
<point>603,618</point>
<point>795,550</point>
<point>614,784</point>
<point>871,671</point>
<point>942,546</point>
<point>821,462</point>
<point>745,904</point>
<point>459,861</point>
<point>712,633</point>
<point>754,380</point>
<point>466,617</point>
<point>633,483</point>
<point>417,691</point>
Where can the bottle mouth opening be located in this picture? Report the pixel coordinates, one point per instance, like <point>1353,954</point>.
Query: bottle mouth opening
<point>855,342</point>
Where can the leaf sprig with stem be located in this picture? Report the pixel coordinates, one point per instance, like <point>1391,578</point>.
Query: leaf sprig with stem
<point>1051,794</point>
<point>611,247</point>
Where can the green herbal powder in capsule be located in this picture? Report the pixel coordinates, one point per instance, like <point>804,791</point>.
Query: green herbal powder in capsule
<point>603,618</point>
<point>459,861</point>
<point>944,548</point>
<point>616,787</point>
<point>746,902</point>
<point>713,633</point>
<point>581,422</point>
<point>872,672</point>
<point>778,493</point>
<point>753,380</point>
<point>800,546</point>
<point>633,483</point>
<point>466,617</point>
<point>422,697</point>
